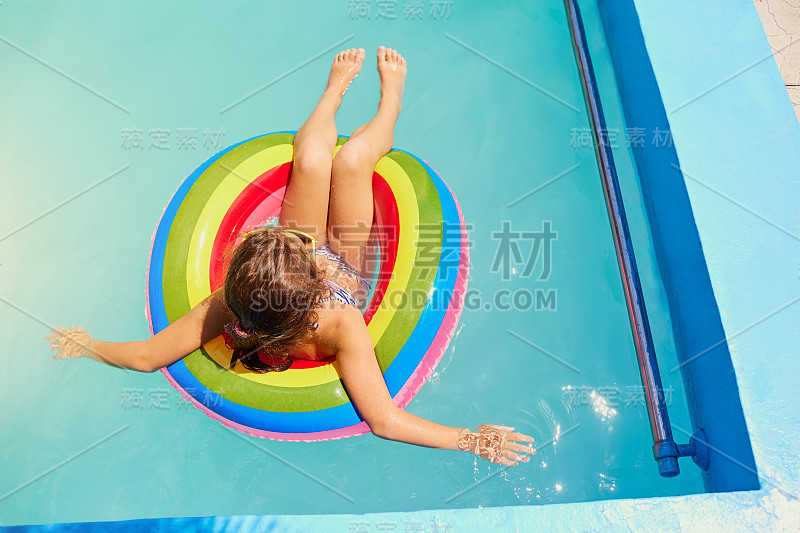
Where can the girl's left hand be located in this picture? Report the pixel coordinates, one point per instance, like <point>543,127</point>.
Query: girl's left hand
<point>70,343</point>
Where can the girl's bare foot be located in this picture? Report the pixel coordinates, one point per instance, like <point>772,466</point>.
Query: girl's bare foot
<point>392,70</point>
<point>344,70</point>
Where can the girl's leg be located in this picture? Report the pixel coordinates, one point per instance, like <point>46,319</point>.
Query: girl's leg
<point>305,203</point>
<point>351,208</point>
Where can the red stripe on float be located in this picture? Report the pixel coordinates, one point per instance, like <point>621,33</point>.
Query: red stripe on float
<point>386,228</point>
<point>242,207</point>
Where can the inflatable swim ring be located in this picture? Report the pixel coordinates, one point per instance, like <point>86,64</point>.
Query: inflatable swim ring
<point>424,252</point>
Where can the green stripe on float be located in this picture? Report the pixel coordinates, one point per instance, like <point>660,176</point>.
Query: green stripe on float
<point>426,262</point>
<point>263,397</point>
<point>176,300</point>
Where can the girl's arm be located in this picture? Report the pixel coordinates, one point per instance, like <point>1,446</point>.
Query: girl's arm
<point>200,325</point>
<point>365,385</point>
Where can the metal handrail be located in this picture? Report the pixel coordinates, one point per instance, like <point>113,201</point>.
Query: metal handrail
<point>665,450</point>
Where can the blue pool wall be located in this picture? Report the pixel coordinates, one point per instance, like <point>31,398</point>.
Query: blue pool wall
<point>738,141</point>
<point>709,379</point>
<point>742,139</point>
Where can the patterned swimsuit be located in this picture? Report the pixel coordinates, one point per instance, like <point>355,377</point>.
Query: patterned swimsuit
<point>338,292</point>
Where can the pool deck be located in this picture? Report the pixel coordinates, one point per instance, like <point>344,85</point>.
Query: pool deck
<point>738,140</point>
<point>781,21</point>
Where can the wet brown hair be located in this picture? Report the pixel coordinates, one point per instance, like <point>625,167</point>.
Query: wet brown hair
<point>272,287</point>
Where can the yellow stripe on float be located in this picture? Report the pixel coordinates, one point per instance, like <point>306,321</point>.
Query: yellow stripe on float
<point>408,222</point>
<point>198,261</point>
<point>298,377</point>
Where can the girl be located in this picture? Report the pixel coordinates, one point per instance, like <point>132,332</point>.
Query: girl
<point>294,291</point>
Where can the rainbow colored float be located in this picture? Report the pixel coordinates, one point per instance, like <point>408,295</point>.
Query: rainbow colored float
<point>423,252</point>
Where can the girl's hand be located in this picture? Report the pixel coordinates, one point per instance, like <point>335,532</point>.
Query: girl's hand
<point>70,343</point>
<point>494,443</point>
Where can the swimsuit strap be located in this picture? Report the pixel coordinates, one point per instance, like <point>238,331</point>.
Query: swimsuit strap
<point>337,293</point>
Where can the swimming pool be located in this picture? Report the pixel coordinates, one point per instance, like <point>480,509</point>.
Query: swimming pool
<point>502,121</point>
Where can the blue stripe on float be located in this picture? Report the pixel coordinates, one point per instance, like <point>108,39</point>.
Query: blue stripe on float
<point>432,316</point>
<point>337,417</point>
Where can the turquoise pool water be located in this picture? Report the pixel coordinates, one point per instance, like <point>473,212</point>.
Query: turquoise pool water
<point>117,104</point>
